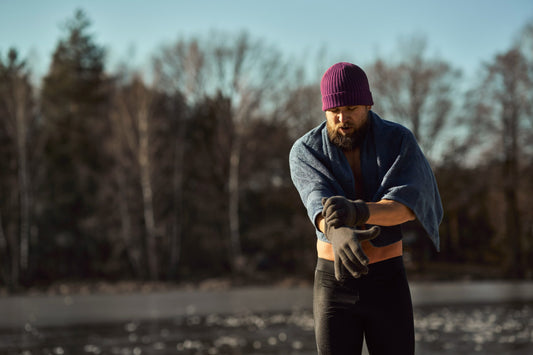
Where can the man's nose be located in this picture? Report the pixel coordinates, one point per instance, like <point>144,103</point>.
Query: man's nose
<point>342,116</point>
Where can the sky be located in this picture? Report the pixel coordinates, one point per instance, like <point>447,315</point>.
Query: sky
<point>462,32</point>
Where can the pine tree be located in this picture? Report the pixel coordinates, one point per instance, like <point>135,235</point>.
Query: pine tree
<point>17,129</point>
<point>74,104</point>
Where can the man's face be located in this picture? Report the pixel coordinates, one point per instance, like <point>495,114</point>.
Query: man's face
<point>346,125</point>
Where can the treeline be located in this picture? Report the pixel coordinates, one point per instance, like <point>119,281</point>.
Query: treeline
<point>111,175</point>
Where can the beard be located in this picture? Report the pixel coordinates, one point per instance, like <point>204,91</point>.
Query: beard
<point>351,142</point>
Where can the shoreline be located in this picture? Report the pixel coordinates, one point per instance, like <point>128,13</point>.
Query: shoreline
<point>69,309</point>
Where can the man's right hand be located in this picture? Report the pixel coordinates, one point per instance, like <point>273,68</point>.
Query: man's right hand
<point>347,248</point>
<point>339,211</point>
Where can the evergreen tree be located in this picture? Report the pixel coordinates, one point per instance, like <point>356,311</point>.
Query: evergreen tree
<point>17,132</point>
<point>75,124</point>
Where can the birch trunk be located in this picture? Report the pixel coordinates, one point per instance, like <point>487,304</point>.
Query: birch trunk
<point>146,186</point>
<point>233,210</point>
<point>132,252</point>
<point>243,112</point>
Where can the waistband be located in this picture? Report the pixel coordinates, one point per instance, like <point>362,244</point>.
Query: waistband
<point>382,266</point>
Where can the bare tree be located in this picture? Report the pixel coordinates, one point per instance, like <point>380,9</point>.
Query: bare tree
<point>525,46</point>
<point>179,70</point>
<point>180,67</point>
<point>131,115</point>
<point>244,71</point>
<point>500,107</point>
<point>416,91</point>
<point>299,108</point>
<point>248,73</point>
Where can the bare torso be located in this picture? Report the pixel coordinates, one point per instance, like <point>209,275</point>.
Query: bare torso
<point>375,254</point>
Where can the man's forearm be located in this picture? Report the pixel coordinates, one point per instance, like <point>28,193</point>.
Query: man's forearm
<point>389,213</point>
<point>383,213</point>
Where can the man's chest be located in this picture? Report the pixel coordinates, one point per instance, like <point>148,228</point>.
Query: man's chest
<point>354,159</point>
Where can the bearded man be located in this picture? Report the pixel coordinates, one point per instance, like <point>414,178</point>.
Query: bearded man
<point>360,177</point>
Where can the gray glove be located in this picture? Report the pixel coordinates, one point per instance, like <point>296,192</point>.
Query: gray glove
<point>347,248</point>
<point>340,211</point>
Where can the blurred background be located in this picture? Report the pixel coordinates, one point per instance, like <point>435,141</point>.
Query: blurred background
<point>174,166</point>
<point>145,144</point>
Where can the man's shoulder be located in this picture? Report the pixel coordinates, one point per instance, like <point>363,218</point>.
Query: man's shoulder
<point>308,147</point>
<point>311,139</point>
<point>386,127</point>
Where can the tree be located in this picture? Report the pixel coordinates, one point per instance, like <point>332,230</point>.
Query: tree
<point>130,115</point>
<point>525,45</point>
<point>244,71</point>
<point>301,108</point>
<point>179,73</point>
<point>247,73</point>
<point>75,128</point>
<point>18,124</point>
<point>206,185</point>
<point>143,124</point>
<point>417,91</point>
<point>500,108</point>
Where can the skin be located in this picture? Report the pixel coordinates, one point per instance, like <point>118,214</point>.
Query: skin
<point>345,121</point>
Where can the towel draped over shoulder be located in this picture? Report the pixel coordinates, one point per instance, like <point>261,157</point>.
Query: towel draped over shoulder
<point>393,167</point>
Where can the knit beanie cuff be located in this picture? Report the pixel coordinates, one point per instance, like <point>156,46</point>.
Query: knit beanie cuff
<point>345,98</point>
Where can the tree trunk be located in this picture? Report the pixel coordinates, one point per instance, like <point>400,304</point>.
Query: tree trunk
<point>21,120</point>
<point>233,210</point>
<point>177,227</point>
<point>516,265</point>
<point>147,193</point>
<point>3,254</point>
<point>18,239</point>
<point>132,252</point>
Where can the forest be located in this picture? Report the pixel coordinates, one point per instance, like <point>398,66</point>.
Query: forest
<point>180,172</point>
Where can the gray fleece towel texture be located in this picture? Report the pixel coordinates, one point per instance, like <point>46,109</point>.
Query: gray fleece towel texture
<point>393,167</point>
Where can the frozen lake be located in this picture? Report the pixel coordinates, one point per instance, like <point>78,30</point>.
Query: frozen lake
<point>450,318</point>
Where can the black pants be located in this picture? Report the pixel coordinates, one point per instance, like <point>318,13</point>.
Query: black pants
<point>377,306</point>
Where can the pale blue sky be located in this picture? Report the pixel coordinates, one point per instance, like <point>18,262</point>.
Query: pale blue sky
<point>464,32</point>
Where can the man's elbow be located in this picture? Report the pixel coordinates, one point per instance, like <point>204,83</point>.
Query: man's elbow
<point>405,214</point>
<point>409,214</point>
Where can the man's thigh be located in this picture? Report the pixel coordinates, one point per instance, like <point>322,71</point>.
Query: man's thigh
<point>389,325</point>
<point>337,329</point>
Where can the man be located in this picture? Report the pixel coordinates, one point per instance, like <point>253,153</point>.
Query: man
<point>360,177</point>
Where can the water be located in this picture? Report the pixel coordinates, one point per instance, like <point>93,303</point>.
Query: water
<point>458,329</point>
<point>471,318</point>
<point>277,333</point>
<point>475,329</point>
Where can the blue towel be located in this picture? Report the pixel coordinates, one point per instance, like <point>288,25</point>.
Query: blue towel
<point>393,167</point>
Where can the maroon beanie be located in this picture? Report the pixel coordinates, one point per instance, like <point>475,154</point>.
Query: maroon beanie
<point>345,84</point>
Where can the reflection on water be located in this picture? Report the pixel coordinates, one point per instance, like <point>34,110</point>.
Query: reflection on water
<point>458,329</point>
<point>280,333</point>
<point>482,329</point>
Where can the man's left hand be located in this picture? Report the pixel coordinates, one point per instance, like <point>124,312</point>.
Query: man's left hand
<point>340,211</point>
